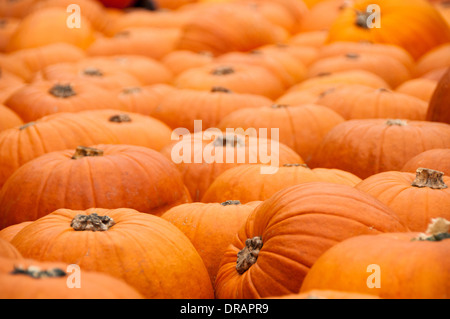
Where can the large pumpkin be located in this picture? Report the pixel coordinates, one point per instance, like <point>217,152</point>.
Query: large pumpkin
<point>145,251</point>
<point>31,279</point>
<point>203,156</point>
<point>416,198</point>
<point>370,146</point>
<point>210,227</point>
<point>285,235</point>
<point>405,265</point>
<point>107,176</point>
<point>234,182</point>
<point>402,23</point>
<point>438,109</point>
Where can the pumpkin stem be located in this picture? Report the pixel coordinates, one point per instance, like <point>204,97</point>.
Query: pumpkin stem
<point>361,19</point>
<point>279,106</point>
<point>91,71</point>
<point>62,91</point>
<point>92,222</point>
<point>222,70</point>
<point>352,55</point>
<point>26,125</point>
<point>295,165</point>
<point>220,89</point>
<point>36,272</point>
<point>120,118</point>
<point>437,230</point>
<point>226,141</point>
<point>392,122</point>
<point>426,177</point>
<point>131,90</point>
<point>248,256</point>
<point>83,151</point>
<point>230,202</point>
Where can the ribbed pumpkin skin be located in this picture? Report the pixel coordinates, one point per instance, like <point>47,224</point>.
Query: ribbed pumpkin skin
<point>438,110</point>
<point>8,119</point>
<point>420,273</point>
<point>415,206</point>
<point>94,285</point>
<point>370,146</point>
<point>210,227</point>
<point>297,225</point>
<point>53,133</point>
<point>125,176</point>
<point>234,182</point>
<point>145,251</point>
<point>7,250</point>
<point>438,159</point>
<point>9,232</point>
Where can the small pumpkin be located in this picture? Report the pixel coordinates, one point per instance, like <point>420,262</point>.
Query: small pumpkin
<point>285,235</point>
<point>421,88</point>
<point>345,266</point>
<point>116,242</point>
<point>434,59</point>
<point>108,176</point>
<point>438,158</point>
<point>416,198</point>
<point>233,183</point>
<point>181,60</point>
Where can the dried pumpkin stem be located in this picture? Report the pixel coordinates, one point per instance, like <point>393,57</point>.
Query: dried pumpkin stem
<point>296,165</point>
<point>230,202</point>
<point>91,71</point>
<point>279,106</point>
<point>62,91</point>
<point>248,256</point>
<point>222,70</point>
<point>220,89</point>
<point>437,230</point>
<point>83,151</point>
<point>26,125</point>
<point>361,19</point>
<point>36,272</point>
<point>397,122</point>
<point>227,141</point>
<point>92,222</point>
<point>131,90</point>
<point>120,118</point>
<point>426,177</point>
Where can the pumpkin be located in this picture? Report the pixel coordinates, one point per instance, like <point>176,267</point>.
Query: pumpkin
<point>55,132</point>
<point>17,67</point>
<point>434,59</point>
<point>370,146</point>
<point>401,24</point>
<point>314,39</point>
<point>326,294</point>
<point>355,101</point>
<point>393,71</point>
<point>228,27</point>
<point>300,127</point>
<point>285,235</point>
<point>9,232</point>
<point>233,183</point>
<point>7,27</point>
<point>438,158</point>
<point>108,176</point>
<point>416,198</point>
<point>97,74</point>
<point>321,15</point>
<point>132,128</point>
<point>421,88</point>
<point>8,118</point>
<point>210,227</point>
<point>137,41</point>
<point>9,83</point>
<point>119,4</point>
<point>15,9</point>
<point>7,250</point>
<point>184,106</point>
<point>41,98</point>
<point>36,59</point>
<point>410,265</point>
<point>202,156</point>
<point>302,53</point>
<point>361,77</point>
<point>48,26</point>
<point>31,279</point>
<point>438,110</point>
<point>181,60</point>
<point>143,99</point>
<point>237,77</point>
<point>118,243</point>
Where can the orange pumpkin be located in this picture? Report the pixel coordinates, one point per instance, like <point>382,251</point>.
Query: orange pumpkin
<point>438,110</point>
<point>438,158</point>
<point>118,243</point>
<point>404,265</point>
<point>108,176</point>
<point>8,118</point>
<point>9,232</point>
<point>285,235</point>
<point>7,250</point>
<point>233,183</point>
<point>434,59</point>
<point>31,279</point>
<point>181,60</point>
<point>421,88</point>
<point>326,294</point>
<point>15,9</point>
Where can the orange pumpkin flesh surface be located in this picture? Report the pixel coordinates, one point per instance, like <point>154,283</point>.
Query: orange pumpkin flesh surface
<point>7,250</point>
<point>416,198</point>
<point>233,183</point>
<point>31,279</point>
<point>438,159</point>
<point>273,252</point>
<point>9,232</point>
<point>410,265</point>
<point>107,176</point>
<point>145,251</point>
<point>210,227</point>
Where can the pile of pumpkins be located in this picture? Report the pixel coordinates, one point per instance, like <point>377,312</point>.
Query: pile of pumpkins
<point>106,113</point>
